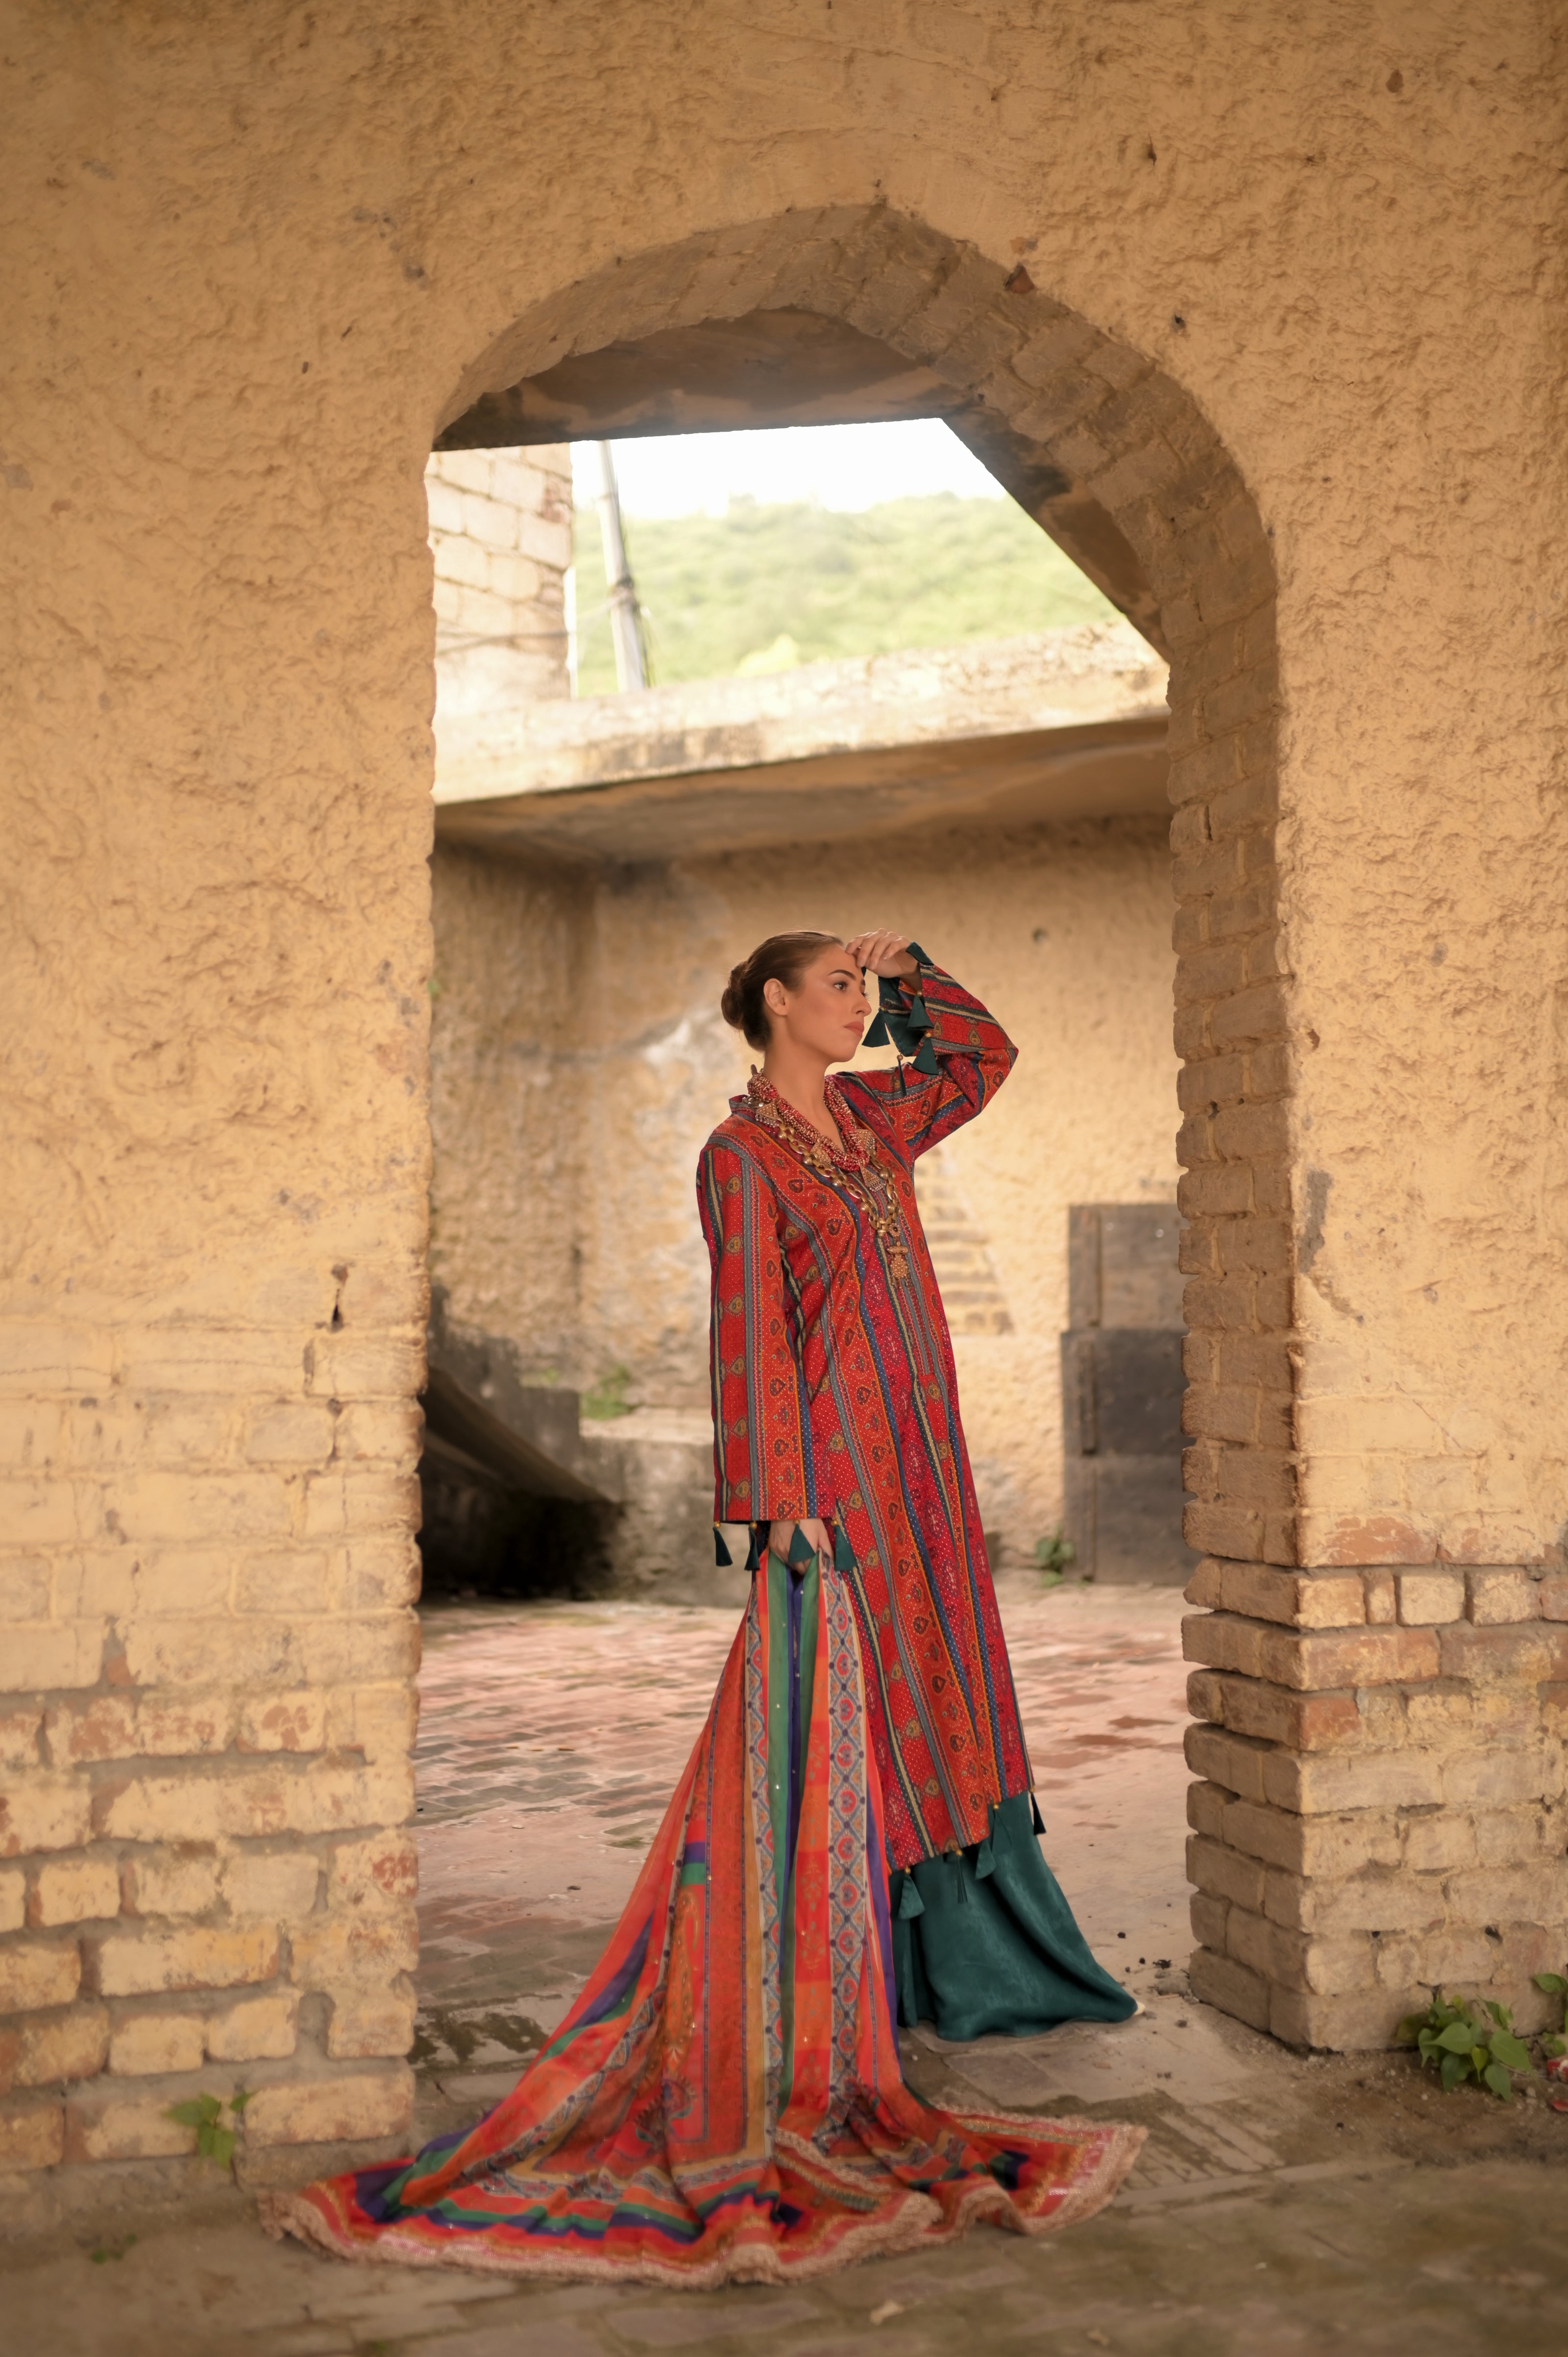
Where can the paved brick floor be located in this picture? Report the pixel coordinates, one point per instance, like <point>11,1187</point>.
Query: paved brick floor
<point>551,1740</point>
<point>1282,2205</point>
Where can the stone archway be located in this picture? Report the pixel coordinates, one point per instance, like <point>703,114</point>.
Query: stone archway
<point>1116,461</point>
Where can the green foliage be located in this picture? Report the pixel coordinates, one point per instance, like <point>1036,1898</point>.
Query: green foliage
<point>763,587</point>
<point>215,2138</point>
<point>1555,2043</point>
<point>1457,2041</point>
<point>1052,1556</point>
<point>607,1397</point>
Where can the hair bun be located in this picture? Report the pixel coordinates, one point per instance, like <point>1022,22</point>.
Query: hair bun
<point>783,957</point>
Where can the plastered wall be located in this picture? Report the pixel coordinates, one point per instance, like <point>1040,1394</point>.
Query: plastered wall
<point>510,1101</point>
<point>252,260</point>
<point>580,1062</point>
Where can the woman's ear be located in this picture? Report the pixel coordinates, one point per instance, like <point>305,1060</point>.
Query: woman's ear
<point>775,997</point>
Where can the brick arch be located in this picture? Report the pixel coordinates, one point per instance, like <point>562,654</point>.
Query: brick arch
<point>1096,432</point>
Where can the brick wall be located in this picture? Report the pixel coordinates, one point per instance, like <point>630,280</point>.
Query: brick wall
<point>206,1710</point>
<point>1231,1033</point>
<point>1383,1804</point>
<point>500,533</point>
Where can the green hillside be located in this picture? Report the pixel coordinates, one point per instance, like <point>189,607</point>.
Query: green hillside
<point>763,587</point>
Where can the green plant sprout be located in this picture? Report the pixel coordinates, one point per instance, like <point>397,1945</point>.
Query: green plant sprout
<point>215,2138</point>
<point>607,1397</point>
<point>1053,1555</point>
<point>1556,2042</point>
<point>1457,2041</point>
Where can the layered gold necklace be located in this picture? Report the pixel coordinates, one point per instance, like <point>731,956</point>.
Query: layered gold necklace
<point>851,1163</point>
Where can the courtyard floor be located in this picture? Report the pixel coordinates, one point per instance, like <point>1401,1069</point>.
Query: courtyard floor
<point>1282,2205</point>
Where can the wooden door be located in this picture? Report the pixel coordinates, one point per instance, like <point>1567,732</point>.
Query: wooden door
<point>1121,1393</point>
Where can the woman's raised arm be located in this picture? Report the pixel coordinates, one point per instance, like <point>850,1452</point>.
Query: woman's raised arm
<point>958,1054</point>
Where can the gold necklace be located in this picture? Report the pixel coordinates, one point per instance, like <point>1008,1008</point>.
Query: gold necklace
<point>850,1164</point>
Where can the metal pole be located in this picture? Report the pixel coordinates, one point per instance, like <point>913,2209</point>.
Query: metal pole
<point>631,670</point>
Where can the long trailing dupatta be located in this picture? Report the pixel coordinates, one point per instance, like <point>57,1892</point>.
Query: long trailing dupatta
<point>724,2102</point>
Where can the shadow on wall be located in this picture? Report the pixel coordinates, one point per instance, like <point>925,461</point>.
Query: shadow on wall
<point>511,1505</point>
<point>519,1498</point>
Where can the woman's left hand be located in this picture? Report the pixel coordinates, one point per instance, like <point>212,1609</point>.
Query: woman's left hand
<point>780,1534</point>
<point>883,952</point>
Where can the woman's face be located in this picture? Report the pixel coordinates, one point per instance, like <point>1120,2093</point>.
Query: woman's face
<point>826,1015</point>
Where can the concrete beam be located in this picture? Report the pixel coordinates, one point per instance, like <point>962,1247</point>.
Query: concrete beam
<point>796,368</point>
<point>1068,723</point>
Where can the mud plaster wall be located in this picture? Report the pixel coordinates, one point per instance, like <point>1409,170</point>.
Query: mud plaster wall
<point>580,1062</point>
<point>249,258</point>
<point>511,1093</point>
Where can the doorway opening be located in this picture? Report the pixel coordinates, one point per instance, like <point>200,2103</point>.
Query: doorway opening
<point>596,872</point>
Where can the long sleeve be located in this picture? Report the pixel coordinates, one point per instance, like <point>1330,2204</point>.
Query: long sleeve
<point>914,1106</point>
<point>762,1446</point>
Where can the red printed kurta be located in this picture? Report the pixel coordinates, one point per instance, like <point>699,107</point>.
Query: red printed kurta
<point>725,2102</point>
<point>835,1395</point>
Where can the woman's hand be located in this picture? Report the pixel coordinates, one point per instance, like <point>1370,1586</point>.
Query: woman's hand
<point>883,952</point>
<point>780,1534</point>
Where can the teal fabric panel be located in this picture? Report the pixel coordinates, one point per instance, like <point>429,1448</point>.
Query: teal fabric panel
<point>978,1953</point>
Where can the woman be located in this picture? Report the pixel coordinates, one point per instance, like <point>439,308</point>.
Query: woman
<point>853,1836</point>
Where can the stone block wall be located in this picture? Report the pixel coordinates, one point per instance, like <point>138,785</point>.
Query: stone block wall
<point>1383,1807</point>
<point>1233,1033</point>
<point>206,1712</point>
<point>501,535</point>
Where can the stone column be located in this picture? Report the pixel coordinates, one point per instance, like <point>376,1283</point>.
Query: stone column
<point>1382,1804</point>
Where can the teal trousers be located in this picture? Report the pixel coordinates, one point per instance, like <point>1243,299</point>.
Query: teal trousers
<point>983,1942</point>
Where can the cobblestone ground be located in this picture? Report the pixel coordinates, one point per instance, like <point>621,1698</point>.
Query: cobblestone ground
<point>1282,2205</point>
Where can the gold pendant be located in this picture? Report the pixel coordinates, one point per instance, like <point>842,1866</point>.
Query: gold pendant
<point>897,1264</point>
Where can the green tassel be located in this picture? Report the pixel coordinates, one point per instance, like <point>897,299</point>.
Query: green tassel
<point>985,1860</point>
<point>722,1554</point>
<point>916,1017</point>
<point>1040,1821</point>
<point>878,1034</point>
<point>926,1059</point>
<point>752,1557</point>
<point>801,1551</point>
<point>844,1553</point>
<point>963,1900</point>
<point>911,1902</point>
